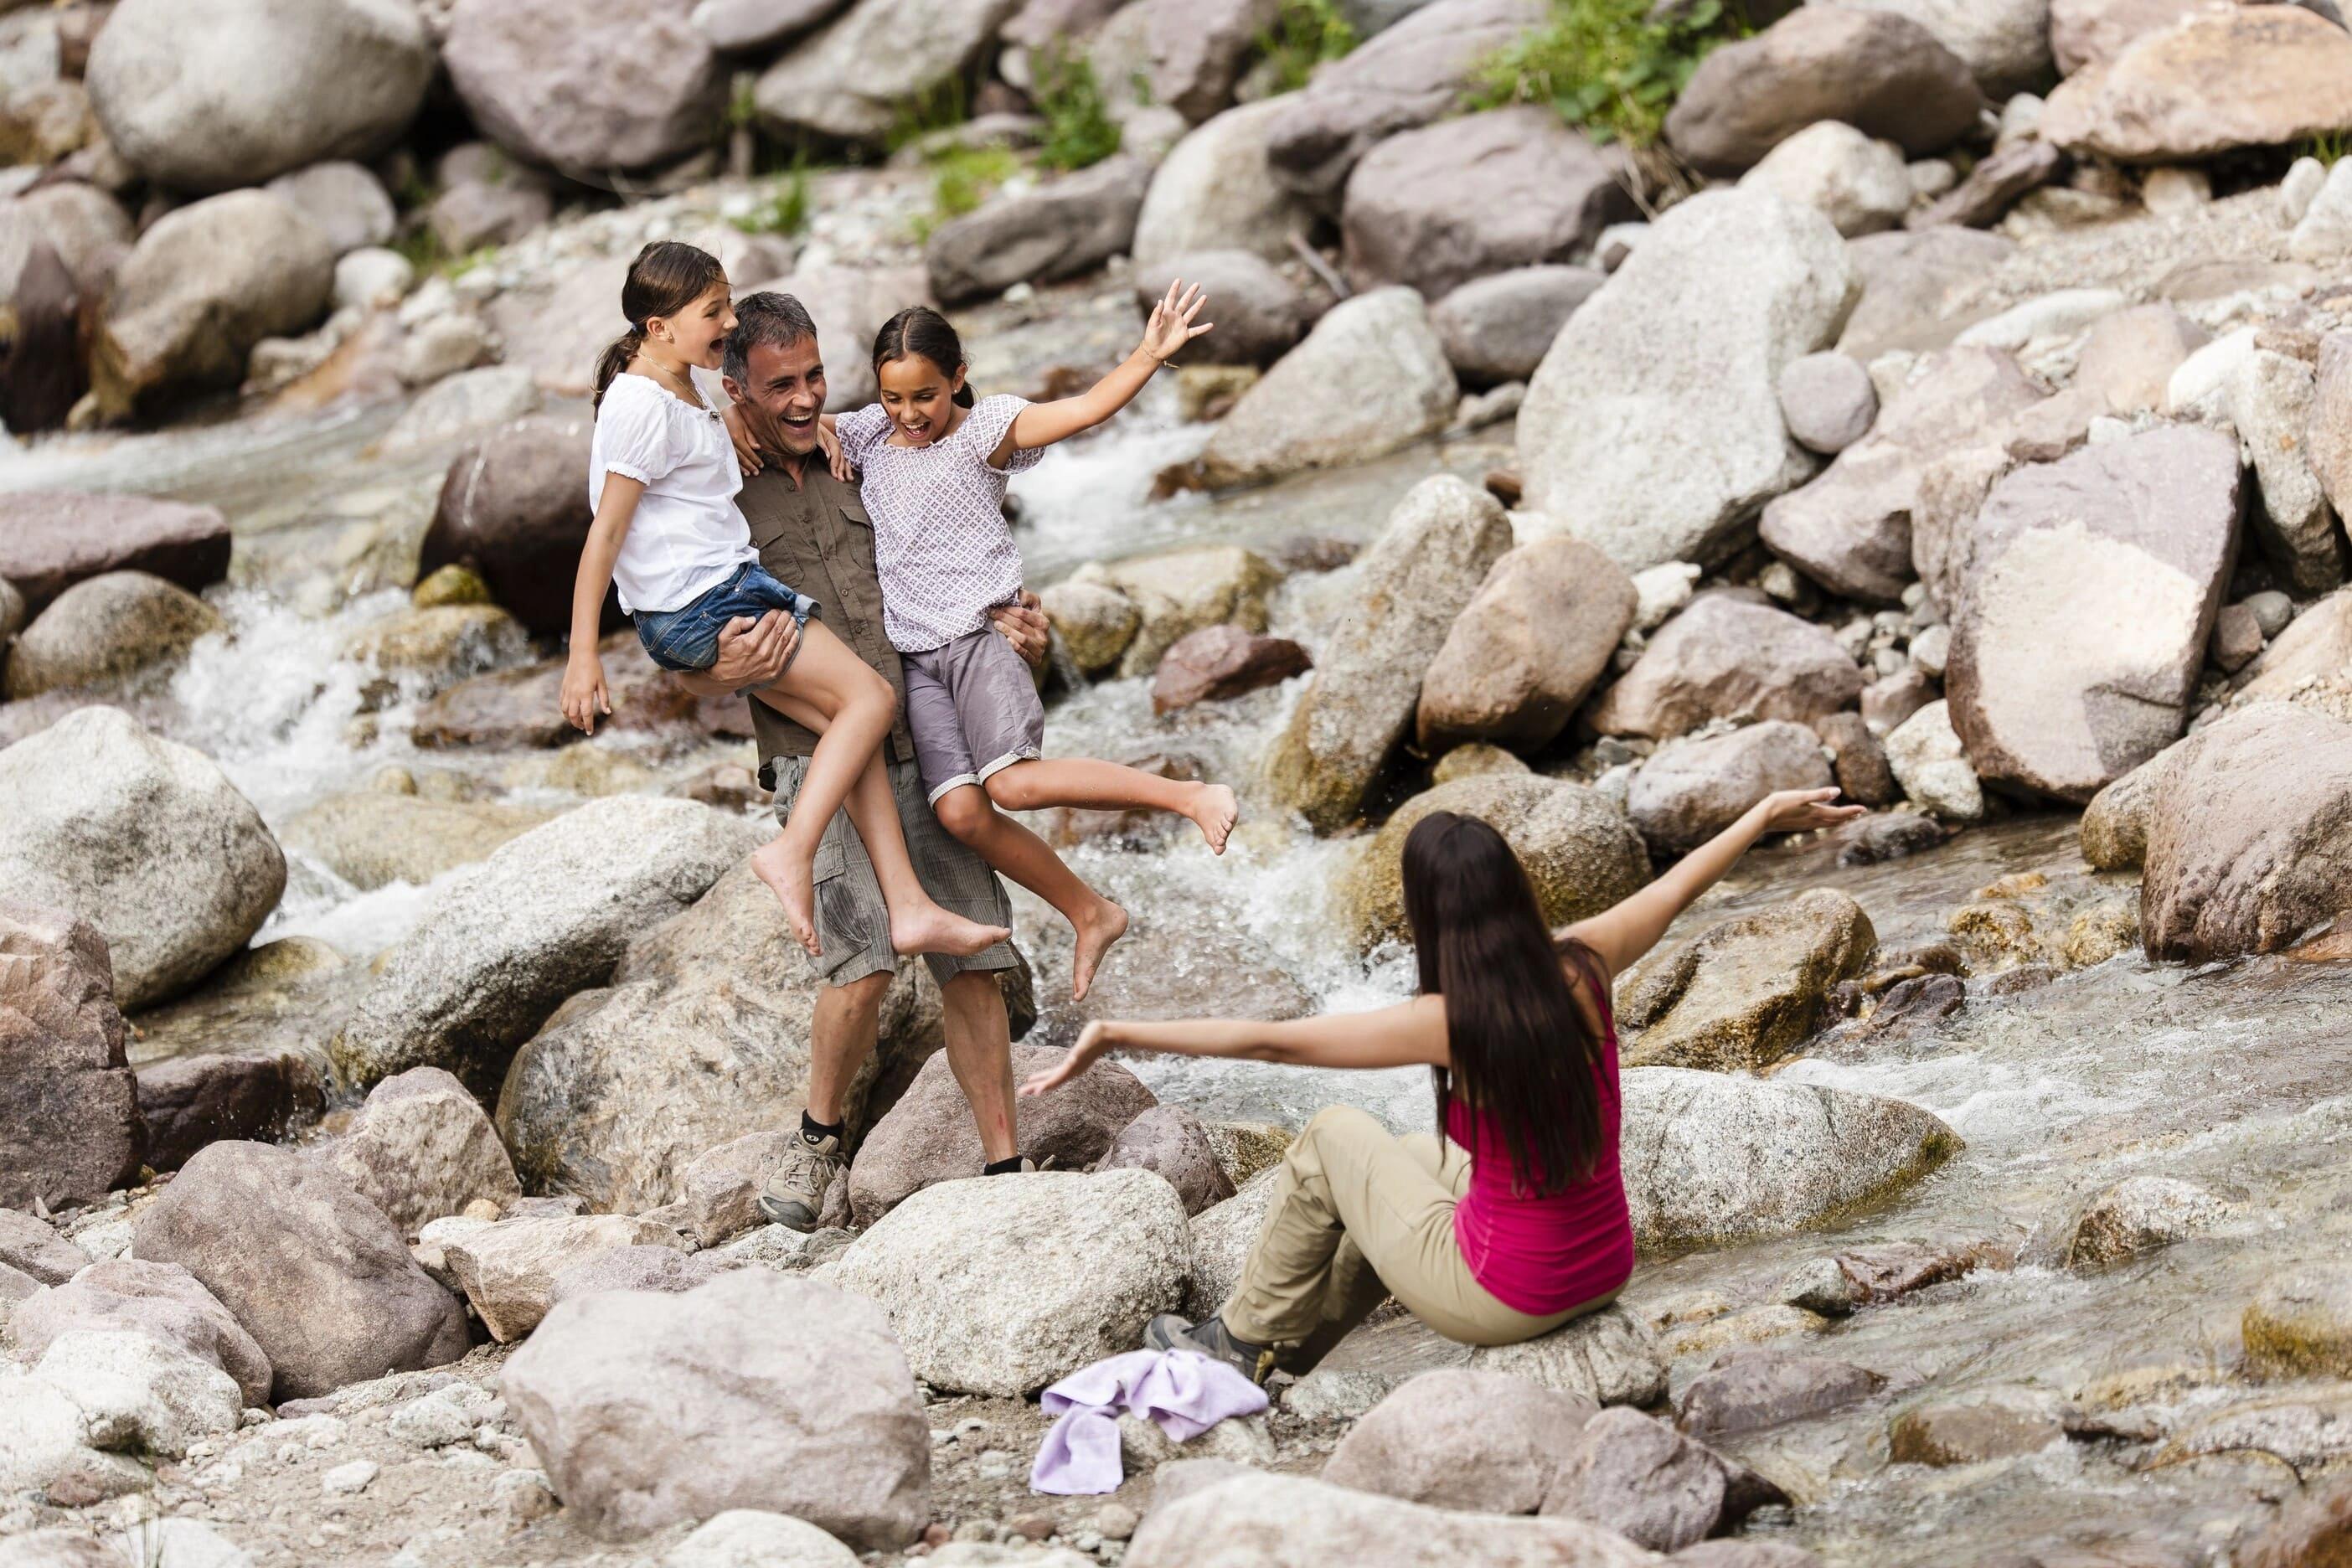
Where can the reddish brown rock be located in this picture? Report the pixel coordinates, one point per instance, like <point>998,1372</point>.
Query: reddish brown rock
<point>50,539</point>
<point>189,1102</point>
<point>1527,649</point>
<point>1220,662</point>
<point>70,1126</point>
<point>520,708</point>
<point>1863,772</point>
<point>514,506</point>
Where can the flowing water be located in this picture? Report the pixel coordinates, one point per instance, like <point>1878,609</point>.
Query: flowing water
<point>2232,1077</point>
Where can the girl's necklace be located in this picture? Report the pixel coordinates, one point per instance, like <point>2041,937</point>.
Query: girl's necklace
<point>683,387</point>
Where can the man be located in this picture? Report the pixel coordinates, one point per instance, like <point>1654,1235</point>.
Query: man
<point>811,531</point>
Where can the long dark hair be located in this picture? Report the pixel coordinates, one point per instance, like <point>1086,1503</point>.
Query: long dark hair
<point>1525,1055</point>
<point>666,278</point>
<point>922,332</point>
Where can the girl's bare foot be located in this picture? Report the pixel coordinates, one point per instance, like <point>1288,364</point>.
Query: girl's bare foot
<point>1096,933</point>
<point>787,875</point>
<point>1215,810</point>
<point>928,928</point>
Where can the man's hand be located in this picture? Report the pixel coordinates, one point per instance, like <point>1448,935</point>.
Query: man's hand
<point>754,653</point>
<point>1025,625</point>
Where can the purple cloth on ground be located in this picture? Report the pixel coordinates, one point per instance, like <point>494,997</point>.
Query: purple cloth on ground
<point>1183,1392</point>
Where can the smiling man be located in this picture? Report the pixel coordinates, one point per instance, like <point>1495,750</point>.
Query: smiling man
<point>812,531</point>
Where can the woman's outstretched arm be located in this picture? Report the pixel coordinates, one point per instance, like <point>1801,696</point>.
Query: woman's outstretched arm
<point>1410,1034</point>
<point>1623,932</point>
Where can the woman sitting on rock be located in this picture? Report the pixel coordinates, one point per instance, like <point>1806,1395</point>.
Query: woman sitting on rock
<point>1530,1229</point>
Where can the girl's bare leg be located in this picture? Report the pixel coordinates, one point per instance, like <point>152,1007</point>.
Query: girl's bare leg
<point>830,689</point>
<point>1093,785</point>
<point>969,815</point>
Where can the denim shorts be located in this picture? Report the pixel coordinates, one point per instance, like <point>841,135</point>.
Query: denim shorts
<point>687,637</point>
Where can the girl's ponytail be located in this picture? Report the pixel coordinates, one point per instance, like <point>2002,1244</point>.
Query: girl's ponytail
<point>666,278</point>
<point>615,360</point>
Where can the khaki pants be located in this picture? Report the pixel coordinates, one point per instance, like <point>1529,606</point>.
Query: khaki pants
<point>1358,1215</point>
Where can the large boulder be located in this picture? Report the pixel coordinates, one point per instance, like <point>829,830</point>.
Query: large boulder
<point>33,1250</point>
<point>853,81</point>
<point>1881,73</point>
<point>1200,49</point>
<point>1749,991</point>
<point>421,1148</point>
<point>69,1125</point>
<point>1577,851</point>
<point>348,204</point>
<point>2248,834</point>
<point>1692,789</point>
<point>372,837</point>
<point>1260,314</point>
<point>1058,230</point>
<point>2087,594</point>
<point>537,77</point>
<point>1855,181</point>
<point>754,1391</point>
<point>2006,43</point>
<point>703,1039</point>
<point>97,1402</point>
<point>506,940</point>
<point>1497,329</point>
<point>191,1101</point>
<point>1727,658</point>
<point>1712,1158</point>
<point>2086,32</point>
<point>1440,205</point>
<point>1180,592</point>
<point>163,1300</point>
<point>1850,529</point>
<point>1215,191</point>
<point>513,508</point>
<point>929,1138</point>
<point>1002,1285</point>
<point>508,1269</point>
<point>105,629</point>
<point>205,95</point>
<point>50,539</point>
<point>1412,583</point>
<point>313,1272</point>
<point>1171,1143</point>
<point>145,839</point>
<point>1381,347</point>
<point>1413,74</point>
<point>1527,649</point>
<point>2272,399</point>
<point>1259,1520</point>
<point>2229,77</point>
<point>1906,279</point>
<point>1652,428</point>
<point>205,283</point>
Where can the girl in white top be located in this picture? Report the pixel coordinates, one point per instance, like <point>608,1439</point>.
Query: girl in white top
<point>668,535</point>
<point>935,467</point>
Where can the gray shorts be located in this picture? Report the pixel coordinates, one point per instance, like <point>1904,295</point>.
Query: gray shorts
<point>852,923</point>
<point>974,710</point>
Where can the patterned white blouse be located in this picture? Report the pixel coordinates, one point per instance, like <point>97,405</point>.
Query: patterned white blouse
<point>941,546</point>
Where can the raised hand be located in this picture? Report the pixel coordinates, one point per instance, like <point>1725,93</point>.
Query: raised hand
<point>1092,1041</point>
<point>1171,324</point>
<point>1796,810</point>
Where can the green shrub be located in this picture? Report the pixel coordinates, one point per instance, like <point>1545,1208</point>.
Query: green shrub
<point>1604,66</point>
<point>1305,34</point>
<point>1079,130</point>
<point>786,210</point>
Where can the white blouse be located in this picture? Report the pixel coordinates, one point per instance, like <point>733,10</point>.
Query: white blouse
<point>689,536</point>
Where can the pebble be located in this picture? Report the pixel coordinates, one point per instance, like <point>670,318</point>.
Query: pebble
<point>995,1464</point>
<point>352,1477</point>
<point>1116,1521</point>
<point>1035,1526</point>
<point>524,1495</point>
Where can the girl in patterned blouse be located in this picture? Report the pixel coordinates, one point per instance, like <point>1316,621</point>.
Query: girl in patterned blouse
<point>935,464</point>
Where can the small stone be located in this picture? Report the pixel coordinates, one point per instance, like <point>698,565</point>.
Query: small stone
<point>1931,651</point>
<point>1972,1429</point>
<point>1034,1526</point>
<point>1828,401</point>
<point>2301,1325</point>
<point>1116,1522</point>
<point>1929,759</point>
<point>2271,611</point>
<point>2169,192</point>
<point>2237,638</point>
<point>2301,187</point>
<point>350,1477</point>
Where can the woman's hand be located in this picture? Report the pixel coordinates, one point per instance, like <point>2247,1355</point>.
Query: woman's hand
<point>747,446</point>
<point>1171,327</point>
<point>828,441</point>
<point>1092,1041</point>
<point>585,694</point>
<point>1798,810</point>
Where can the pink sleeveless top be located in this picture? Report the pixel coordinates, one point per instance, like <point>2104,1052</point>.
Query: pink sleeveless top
<point>1542,1255</point>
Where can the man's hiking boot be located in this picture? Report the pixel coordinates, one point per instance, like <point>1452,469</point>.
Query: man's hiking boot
<point>795,1194</point>
<point>1211,1338</point>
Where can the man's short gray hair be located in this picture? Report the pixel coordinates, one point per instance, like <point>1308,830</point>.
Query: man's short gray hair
<point>779,321</point>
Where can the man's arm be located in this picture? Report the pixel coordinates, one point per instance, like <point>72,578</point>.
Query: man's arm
<point>751,653</point>
<point>1025,625</point>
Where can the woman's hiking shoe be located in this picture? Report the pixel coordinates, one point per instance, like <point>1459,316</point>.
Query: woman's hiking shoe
<point>795,1194</point>
<point>1210,1337</point>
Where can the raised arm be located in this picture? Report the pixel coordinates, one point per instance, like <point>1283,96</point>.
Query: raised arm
<point>1408,1033</point>
<point>1170,328</point>
<point>1623,932</point>
<point>584,694</point>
